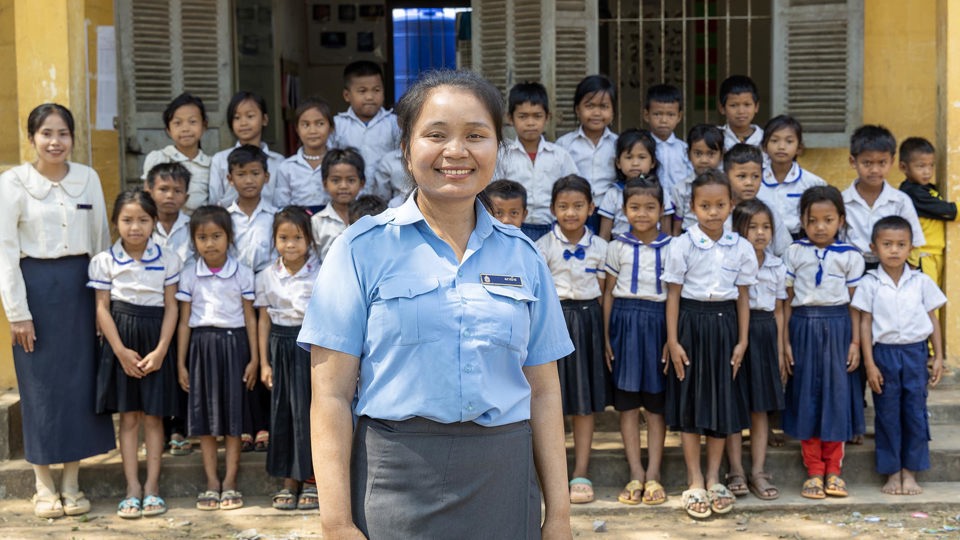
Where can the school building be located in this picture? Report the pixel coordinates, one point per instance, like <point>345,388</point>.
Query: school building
<point>834,64</point>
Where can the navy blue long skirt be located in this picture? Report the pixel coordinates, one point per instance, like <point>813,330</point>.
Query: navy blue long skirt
<point>585,385</point>
<point>288,455</point>
<point>760,371</point>
<point>216,360</point>
<point>638,331</point>
<point>57,380</point>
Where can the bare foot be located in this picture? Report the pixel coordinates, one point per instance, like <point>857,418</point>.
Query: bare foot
<point>893,485</point>
<point>910,485</point>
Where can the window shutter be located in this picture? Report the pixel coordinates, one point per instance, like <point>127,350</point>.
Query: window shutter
<point>152,62</point>
<point>817,67</point>
<point>201,54</point>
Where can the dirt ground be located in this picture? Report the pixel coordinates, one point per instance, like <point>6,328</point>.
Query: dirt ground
<point>259,522</point>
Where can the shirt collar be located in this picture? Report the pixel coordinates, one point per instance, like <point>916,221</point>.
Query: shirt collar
<point>542,146</point>
<point>885,279</point>
<point>660,241</point>
<point>305,270</point>
<point>836,246</point>
<point>262,206</point>
<point>182,221</point>
<point>702,241</point>
<point>586,240</point>
<point>671,140</point>
<point>409,213</point>
<point>852,195</point>
<point>39,186</point>
<point>793,175</point>
<point>171,151</point>
<point>771,261</point>
<point>331,213</point>
<point>229,268</point>
<point>376,118</point>
<point>151,253</point>
<point>606,134</point>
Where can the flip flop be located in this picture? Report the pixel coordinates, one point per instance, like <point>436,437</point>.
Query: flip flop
<point>48,506</point>
<point>231,499</point>
<point>261,442</point>
<point>695,496</point>
<point>246,442</point>
<point>75,504</point>
<point>719,491</point>
<point>208,500</point>
<point>650,488</point>
<point>835,486</point>
<point>284,500</point>
<point>761,484</point>
<point>130,503</point>
<point>308,499</point>
<point>157,503</point>
<point>627,495</point>
<point>180,448</point>
<point>581,490</point>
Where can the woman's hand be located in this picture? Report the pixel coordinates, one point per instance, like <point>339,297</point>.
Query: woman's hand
<point>679,358</point>
<point>853,357</point>
<point>554,529</point>
<point>250,375</point>
<point>736,359</point>
<point>130,362</point>
<point>22,334</point>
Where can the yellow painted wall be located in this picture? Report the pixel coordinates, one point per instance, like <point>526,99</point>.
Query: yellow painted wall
<point>9,146</point>
<point>104,143</point>
<point>948,131</point>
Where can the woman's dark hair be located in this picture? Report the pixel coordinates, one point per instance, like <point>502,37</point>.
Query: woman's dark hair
<point>239,98</point>
<point>625,143</point>
<point>40,113</point>
<point>134,196</point>
<point>594,84</point>
<point>299,218</point>
<point>216,215</point>
<point>313,103</point>
<point>643,185</point>
<point>183,100</point>
<point>777,123</point>
<point>744,212</point>
<point>817,194</point>
<point>712,177</point>
<point>709,134</point>
<point>571,182</point>
<point>349,156</point>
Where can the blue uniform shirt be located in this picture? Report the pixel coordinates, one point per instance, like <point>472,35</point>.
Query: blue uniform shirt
<point>437,339</point>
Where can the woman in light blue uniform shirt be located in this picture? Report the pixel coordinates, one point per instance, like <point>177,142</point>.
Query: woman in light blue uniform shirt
<point>446,326</point>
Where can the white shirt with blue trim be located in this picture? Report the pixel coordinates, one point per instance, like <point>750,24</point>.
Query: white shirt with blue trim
<point>710,270</point>
<point>575,267</point>
<point>611,207</point>
<point>216,299</point>
<point>638,267</point>
<point>822,276</point>
<point>135,282</point>
<point>784,197</point>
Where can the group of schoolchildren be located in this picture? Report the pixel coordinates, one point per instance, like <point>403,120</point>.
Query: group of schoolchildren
<point>710,282</point>
<point>715,282</point>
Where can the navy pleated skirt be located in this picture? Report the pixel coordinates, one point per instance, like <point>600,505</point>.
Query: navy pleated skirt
<point>216,360</point>
<point>156,393</point>
<point>288,455</point>
<point>760,370</point>
<point>584,378</point>
<point>822,399</point>
<point>638,331</point>
<point>57,381</point>
<point>707,400</point>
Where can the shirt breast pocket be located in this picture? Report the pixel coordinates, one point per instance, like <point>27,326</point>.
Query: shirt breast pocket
<point>411,306</point>
<point>508,322</point>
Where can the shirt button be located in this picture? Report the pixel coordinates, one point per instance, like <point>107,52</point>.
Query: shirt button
<point>469,406</point>
<point>459,273</point>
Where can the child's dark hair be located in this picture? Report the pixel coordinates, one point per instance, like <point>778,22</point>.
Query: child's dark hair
<point>712,177</point>
<point>506,189</point>
<point>872,138</point>
<point>818,194</point>
<point>168,171</point>
<point>915,145</point>
<point>134,196</point>
<point>779,122</point>
<point>313,103</point>
<point>348,156</point>
<point>594,84</point>
<point>183,100</point>
<point>744,212</point>
<point>570,182</point>
<point>737,84</point>
<point>244,154</point>
<point>360,68</point>
<point>239,98</point>
<point>533,93</point>
<point>365,205</point>
<point>216,215</point>
<point>663,93</point>
<point>40,113</point>
<point>741,153</point>
<point>299,218</point>
<point>625,143</point>
<point>708,133</point>
<point>890,223</point>
<point>643,185</point>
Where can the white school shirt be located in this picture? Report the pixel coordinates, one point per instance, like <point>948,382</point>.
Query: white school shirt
<point>177,239</point>
<point>638,267</point>
<point>575,267</point>
<point>390,175</point>
<point>46,220</point>
<point>135,282</point>
<point>900,310</point>
<point>199,167</point>
<point>730,138</point>
<point>673,163</point>
<point>253,235</point>
<point>822,277</point>
<point>595,162</point>
<point>710,271</point>
<point>771,284</point>
<point>286,295</point>
<point>611,207</point>
<point>537,177</point>
<point>327,226</point>
<point>373,139</point>
<point>221,192</point>
<point>861,217</point>
<point>784,197</point>
<point>216,299</point>
<point>296,182</point>
<point>682,192</point>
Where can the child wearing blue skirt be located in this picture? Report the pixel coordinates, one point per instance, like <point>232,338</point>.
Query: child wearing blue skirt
<point>822,346</point>
<point>899,316</point>
<point>575,257</point>
<point>708,273</point>
<point>635,331</point>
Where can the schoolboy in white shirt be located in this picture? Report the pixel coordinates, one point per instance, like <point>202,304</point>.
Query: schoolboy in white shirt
<point>663,111</point>
<point>739,102</point>
<point>169,184</point>
<point>251,214</point>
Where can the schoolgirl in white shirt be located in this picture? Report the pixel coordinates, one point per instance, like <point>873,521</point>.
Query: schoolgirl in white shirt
<point>217,352</point>
<point>136,283</point>
<point>283,292</point>
<point>636,158</point>
<point>784,180</point>
<point>186,120</point>
<point>298,180</point>
<point>575,257</point>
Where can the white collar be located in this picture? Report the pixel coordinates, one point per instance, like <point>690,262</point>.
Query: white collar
<point>39,186</point>
<point>229,268</point>
<point>699,239</point>
<point>171,151</point>
<point>150,253</point>
<point>586,240</point>
<point>281,271</point>
<point>262,206</point>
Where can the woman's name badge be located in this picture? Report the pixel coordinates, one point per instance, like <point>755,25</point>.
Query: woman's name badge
<point>507,281</point>
<point>81,206</point>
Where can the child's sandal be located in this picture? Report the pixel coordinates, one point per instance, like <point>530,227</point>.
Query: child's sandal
<point>231,499</point>
<point>309,499</point>
<point>813,488</point>
<point>262,441</point>
<point>208,500</point>
<point>246,442</point>
<point>836,487</point>
<point>284,500</point>
<point>692,498</point>
<point>154,505</point>
<point>737,484</point>
<point>129,508</point>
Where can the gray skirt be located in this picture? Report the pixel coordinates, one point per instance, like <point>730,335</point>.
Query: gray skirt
<point>422,479</point>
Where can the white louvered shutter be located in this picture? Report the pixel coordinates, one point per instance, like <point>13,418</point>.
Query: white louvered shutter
<point>167,47</point>
<point>490,40</point>
<point>817,67</point>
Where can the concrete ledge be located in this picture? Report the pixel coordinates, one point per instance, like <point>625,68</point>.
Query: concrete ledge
<point>11,426</point>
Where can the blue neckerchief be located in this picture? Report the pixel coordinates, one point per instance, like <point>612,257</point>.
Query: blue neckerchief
<point>836,247</point>
<point>661,240</point>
